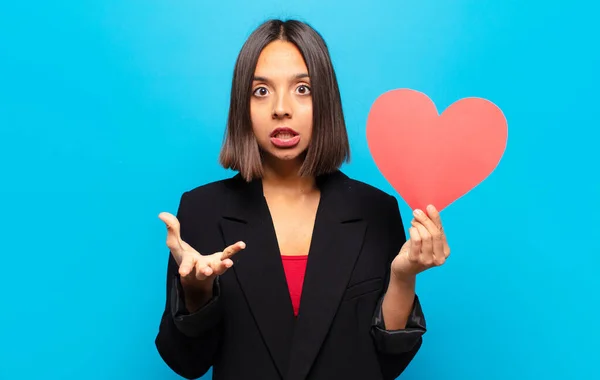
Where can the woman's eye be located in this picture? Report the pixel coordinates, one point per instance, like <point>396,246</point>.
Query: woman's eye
<point>261,91</point>
<point>304,89</point>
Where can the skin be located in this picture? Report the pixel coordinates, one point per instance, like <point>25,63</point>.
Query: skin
<point>281,97</point>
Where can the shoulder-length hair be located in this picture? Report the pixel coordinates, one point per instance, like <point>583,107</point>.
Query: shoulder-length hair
<point>329,147</point>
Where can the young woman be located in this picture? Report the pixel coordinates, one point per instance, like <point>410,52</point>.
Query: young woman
<point>290,269</point>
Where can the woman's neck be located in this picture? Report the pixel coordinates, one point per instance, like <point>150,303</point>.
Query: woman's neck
<point>283,178</point>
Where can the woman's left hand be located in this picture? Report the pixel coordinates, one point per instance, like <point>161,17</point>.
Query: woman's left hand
<point>426,248</point>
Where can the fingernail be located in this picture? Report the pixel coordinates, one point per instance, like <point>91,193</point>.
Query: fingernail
<point>418,212</point>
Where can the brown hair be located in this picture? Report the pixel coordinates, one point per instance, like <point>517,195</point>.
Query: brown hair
<point>329,147</point>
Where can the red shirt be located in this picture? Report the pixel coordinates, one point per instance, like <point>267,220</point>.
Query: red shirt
<point>295,267</point>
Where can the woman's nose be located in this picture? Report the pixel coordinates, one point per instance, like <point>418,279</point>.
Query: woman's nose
<point>282,106</point>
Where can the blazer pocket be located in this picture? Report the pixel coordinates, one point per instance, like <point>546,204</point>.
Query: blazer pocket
<point>363,287</point>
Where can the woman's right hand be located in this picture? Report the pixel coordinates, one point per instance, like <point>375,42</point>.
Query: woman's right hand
<point>196,271</point>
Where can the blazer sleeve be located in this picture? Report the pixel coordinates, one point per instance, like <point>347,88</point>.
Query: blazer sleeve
<point>187,342</point>
<point>397,348</point>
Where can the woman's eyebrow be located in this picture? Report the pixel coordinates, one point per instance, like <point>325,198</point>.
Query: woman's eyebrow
<point>259,78</point>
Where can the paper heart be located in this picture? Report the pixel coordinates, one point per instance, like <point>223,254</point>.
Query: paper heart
<point>430,158</point>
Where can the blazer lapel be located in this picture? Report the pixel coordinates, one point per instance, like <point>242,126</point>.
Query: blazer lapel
<point>337,238</point>
<point>259,268</point>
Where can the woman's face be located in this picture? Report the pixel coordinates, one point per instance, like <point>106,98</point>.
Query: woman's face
<point>281,102</point>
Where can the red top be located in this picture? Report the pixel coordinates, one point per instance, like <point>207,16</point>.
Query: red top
<point>295,267</point>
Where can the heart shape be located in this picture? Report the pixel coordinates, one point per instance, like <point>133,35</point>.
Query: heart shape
<point>430,158</point>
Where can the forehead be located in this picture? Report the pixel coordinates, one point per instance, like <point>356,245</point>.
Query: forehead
<point>280,57</point>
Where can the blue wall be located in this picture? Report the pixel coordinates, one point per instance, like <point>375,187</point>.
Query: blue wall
<point>110,110</point>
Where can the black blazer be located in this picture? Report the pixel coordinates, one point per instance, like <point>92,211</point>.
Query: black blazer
<point>248,330</point>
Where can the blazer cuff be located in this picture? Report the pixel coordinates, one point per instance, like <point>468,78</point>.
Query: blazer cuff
<point>202,320</point>
<point>399,341</point>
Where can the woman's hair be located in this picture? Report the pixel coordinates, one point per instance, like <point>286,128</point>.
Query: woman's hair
<point>329,147</point>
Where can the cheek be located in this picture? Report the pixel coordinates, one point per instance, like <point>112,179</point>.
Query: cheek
<point>258,117</point>
<point>306,115</point>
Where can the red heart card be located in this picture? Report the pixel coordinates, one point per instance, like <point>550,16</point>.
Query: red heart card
<point>430,158</point>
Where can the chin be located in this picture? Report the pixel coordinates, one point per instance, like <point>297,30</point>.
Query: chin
<point>287,155</point>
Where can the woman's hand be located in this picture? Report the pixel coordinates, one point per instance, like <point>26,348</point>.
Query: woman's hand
<point>197,271</point>
<point>426,248</point>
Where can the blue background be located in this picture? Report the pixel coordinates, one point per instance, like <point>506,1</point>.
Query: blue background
<point>109,110</point>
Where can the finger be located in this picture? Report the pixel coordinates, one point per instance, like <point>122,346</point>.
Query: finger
<point>220,266</point>
<point>437,244</point>
<point>232,250</point>
<point>203,270</point>
<point>434,215</point>
<point>173,231</point>
<point>186,266</point>
<point>426,255</point>
<point>422,218</point>
<point>445,245</point>
<point>415,244</point>
<point>434,226</point>
<point>439,256</point>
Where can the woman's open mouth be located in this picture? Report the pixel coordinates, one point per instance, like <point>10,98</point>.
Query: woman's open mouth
<point>285,137</point>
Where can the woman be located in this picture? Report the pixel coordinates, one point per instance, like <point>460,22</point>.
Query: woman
<point>290,269</point>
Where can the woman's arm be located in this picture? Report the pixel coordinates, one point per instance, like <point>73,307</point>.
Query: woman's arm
<point>189,330</point>
<point>398,302</point>
<point>187,342</point>
<point>398,322</point>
